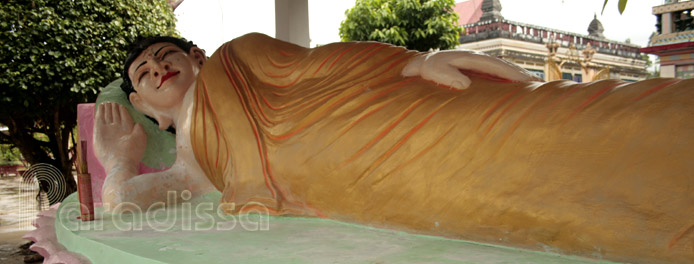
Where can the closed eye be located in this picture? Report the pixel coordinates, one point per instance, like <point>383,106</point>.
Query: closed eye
<point>166,53</point>
<point>139,79</point>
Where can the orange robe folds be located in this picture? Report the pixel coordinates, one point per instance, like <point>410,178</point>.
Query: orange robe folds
<point>603,169</point>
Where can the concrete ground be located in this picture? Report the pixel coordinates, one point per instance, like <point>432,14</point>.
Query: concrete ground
<point>10,251</point>
<point>13,218</point>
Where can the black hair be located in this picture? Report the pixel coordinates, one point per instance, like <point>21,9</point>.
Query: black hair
<point>140,45</point>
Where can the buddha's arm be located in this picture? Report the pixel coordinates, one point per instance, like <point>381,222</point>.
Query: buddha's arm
<point>124,190</point>
<point>119,145</point>
<point>276,59</point>
<point>444,67</point>
<point>116,176</point>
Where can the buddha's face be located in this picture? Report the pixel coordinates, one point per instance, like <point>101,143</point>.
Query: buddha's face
<point>162,75</point>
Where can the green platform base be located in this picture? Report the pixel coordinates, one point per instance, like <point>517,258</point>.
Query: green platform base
<point>178,235</point>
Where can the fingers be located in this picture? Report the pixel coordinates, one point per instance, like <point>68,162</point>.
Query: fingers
<point>443,68</point>
<point>100,117</point>
<point>413,67</point>
<point>124,115</point>
<point>110,113</point>
<point>104,112</point>
<point>108,117</point>
<point>491,65</point>
<point>436,67</point>
<point>115,112</point>
<point>447,75</point>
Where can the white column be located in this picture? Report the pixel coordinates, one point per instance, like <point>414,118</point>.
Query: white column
<point>291,21</point>
<point>666,23</point>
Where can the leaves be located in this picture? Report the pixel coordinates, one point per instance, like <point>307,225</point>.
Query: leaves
<point>9,155</point>
<point>416,24</point>
<point>58,53</point>
<point>621,6</point>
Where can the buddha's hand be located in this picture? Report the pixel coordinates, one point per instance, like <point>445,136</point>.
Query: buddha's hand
<point>444,67</point>
<point>118,141</point>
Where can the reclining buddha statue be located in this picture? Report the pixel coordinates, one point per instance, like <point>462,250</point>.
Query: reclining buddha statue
<point>451,143</point>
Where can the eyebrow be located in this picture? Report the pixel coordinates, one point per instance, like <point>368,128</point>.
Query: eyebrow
<point>155,54</point>
<point>138,66</point>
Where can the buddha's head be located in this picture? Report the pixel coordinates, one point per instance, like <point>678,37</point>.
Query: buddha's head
<point>157,74</point>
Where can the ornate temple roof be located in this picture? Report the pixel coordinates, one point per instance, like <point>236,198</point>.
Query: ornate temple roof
<point>491,10</point>
<point>493,25</point>
<point>595,28</point>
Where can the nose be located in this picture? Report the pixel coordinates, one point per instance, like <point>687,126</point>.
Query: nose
<point>160,68</point>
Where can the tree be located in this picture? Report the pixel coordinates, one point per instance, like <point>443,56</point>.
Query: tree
<point>56,54</point>
<point>651,74</point>
<point>9,155</point>
<point>416,24</point>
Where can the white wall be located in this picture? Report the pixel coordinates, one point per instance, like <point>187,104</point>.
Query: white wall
<point>291,21</point>
<point>210,23</point>
<point>667,71</point>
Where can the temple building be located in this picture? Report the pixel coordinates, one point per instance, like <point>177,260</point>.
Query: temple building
<point>674,41</point>
<point>549,53</point>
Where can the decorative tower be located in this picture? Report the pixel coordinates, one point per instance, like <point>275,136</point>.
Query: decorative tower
<point>595,28</point>
<point>491,10</point>
<point>673,42</point>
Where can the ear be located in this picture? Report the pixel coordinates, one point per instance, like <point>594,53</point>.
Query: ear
<point>198,55</point>
<point>142,106</point>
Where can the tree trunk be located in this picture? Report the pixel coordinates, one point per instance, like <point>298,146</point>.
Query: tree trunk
<point>62,134</point>
<point>20,135</point>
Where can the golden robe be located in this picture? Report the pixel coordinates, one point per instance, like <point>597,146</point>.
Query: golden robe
<point>603,169</point>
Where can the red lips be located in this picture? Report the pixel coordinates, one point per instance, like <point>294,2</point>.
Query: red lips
<point>166,77</point>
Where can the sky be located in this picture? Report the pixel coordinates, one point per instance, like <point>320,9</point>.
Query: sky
<point>209,23</point>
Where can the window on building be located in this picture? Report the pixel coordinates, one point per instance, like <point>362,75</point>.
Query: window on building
<point>566,76</point>
<point>540,74</point>
<point>682,20</point>
<point>578,78</point>
<point>658,24</point>
<point>684,71</point>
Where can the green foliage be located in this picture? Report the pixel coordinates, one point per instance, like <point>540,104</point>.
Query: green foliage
<point>648,60</point>
<point>70,46</point>
<point>56,54</point>
<point>621,5</point>
<point>416,24</point>
<point>651,74</point>
<point>9,155</point>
